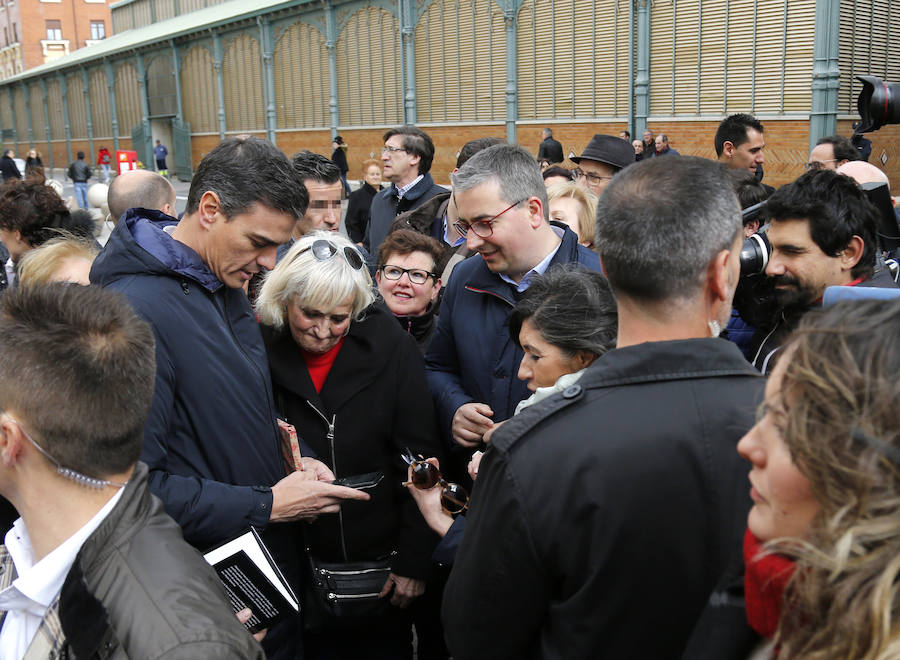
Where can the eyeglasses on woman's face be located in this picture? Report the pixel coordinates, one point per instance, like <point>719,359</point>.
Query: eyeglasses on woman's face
<point>415,275</point>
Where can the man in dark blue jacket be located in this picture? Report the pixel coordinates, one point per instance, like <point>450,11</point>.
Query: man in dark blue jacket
<point>472,362</point>
<point>406,156</point>
<point>211,441</point>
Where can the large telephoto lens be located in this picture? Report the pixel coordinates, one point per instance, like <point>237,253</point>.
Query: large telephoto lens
<point>755,254</point>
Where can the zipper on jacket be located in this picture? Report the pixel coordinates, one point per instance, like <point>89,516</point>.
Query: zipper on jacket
<point>330,438</point>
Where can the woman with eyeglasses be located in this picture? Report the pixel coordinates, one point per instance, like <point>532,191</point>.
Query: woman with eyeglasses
<point>822,548</point>
<point>564,322</point>
<point>353,384</point>
<point>408,276</point>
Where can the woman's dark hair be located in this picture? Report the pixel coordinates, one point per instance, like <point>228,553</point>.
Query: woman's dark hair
<point>33,209</point>
<point>573,309</point>
<point>556,170</point>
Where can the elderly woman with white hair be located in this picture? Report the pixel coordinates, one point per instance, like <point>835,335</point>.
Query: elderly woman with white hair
<point>353,384</point>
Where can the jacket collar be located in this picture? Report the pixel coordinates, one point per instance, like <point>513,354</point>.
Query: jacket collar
<point>359,362</point>
<point>485,281</point>
<point>681,359</point>
<point>424,185</point>
<point>140,245</point>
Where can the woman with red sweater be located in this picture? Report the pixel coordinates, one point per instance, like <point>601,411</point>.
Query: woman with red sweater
<point>352,382</point>
<point>822,549</point>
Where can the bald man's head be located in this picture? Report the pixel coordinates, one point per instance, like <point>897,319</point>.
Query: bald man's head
<point>863,172</point>
<point>140,189</point>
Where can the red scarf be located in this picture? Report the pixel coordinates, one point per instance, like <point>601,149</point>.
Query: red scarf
<point>765,579</point>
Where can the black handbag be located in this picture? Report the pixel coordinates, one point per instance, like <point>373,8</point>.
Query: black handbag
<point>343,590</point>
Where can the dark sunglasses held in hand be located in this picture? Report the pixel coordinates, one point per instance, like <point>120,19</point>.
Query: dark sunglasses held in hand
<point>425,476</point>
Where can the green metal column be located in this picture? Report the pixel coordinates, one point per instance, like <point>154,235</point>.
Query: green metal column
<point>267,48</point>
<point>407,34</point>
<point>220,83</point>
<point>826,74</point>
<point>64,92</point>
<point>27,94</point>
<point>12,113</point>
<point>145,151</point>
<point>47,122</point>
<point>176,66</point>
<point>331,47</point>
<point>511,20</point>
<point>642,77</point>
<point>113,106</point>
<point>86,91</point>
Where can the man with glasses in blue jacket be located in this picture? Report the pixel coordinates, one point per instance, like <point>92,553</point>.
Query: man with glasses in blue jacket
<point>472,361</point>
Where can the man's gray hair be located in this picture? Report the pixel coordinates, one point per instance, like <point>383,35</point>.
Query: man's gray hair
<point>513,168</point>
<point>659,227</point>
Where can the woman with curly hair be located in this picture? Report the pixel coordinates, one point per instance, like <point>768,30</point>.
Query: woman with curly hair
<point>822,549</point>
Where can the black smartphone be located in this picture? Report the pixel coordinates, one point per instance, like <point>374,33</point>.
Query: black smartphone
<point>360,481</point>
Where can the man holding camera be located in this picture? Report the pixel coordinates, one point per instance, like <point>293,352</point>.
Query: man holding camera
<point>822,231</point>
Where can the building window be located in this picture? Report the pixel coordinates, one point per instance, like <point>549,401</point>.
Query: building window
<point>54,31</point>
<point>98,30</point>
<point>5,36</point>
<point>15,32</point>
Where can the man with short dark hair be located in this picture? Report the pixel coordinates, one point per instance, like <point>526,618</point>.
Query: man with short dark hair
<point>211,441</point>
<point>550,149</point>
<point>159,153</point>
<point>140,189</point>
<point>406,155</point>
<point>472,362</point>
<point>621,500</point>
<point>8,168</point>
<point>822,229</point>
<point>80,172</point>
<point>94,562</point>
<point>322,178</point>
<point>740,142</point>
<point>831,152</point>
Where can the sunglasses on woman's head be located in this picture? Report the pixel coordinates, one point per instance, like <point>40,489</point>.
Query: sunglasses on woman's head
<point>324,250</point>
<point>425,476</point>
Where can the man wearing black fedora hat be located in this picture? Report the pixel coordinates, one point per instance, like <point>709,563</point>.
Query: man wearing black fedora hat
<point>601,159</point>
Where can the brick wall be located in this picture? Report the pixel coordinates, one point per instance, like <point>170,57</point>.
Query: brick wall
<point>75,17</point>
<point>787,144</point>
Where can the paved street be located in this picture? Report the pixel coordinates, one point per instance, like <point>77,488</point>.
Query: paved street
<point>181,187</point>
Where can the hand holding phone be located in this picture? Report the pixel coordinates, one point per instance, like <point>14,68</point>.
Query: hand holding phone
<point>360,481</point>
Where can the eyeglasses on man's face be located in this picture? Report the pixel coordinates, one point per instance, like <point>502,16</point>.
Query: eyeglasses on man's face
<point>483,228</point>
<point>592,179</point>
<point>388,149</point>
<point>819,164</point>
<point>415,275</point>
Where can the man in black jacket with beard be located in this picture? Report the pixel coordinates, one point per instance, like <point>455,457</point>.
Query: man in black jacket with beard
<point>603,517</point>
<point>822,230</point>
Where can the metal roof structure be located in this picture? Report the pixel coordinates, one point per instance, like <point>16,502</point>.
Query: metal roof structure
<point>164,31</point>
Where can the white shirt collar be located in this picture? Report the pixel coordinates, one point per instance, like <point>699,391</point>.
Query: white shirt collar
<point>10,272</point>
<point>36,586</point>
<point>539,269</point>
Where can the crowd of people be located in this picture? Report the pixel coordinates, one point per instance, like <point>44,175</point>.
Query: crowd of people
<point>642,407</point>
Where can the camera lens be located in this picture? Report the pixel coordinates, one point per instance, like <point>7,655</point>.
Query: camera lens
<point>755,254</point>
